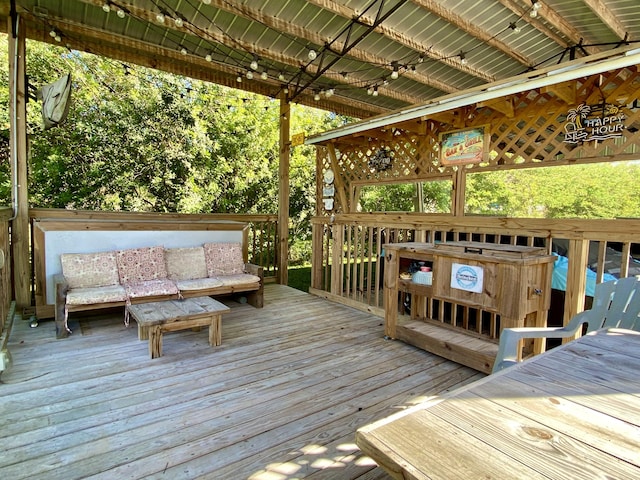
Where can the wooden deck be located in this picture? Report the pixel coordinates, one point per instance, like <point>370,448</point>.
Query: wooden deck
<point>280,399</point>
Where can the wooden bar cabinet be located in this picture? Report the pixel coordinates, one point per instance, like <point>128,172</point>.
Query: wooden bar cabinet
<point>477,290</point>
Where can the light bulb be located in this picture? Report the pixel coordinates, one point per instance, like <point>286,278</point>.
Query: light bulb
<point>121,13</point>
<point>281,77</point>
<point>207,2</point>
<point>316,97</point>
<point>533,13</point>
<point>160,17</point>
<point>254,64</point>
<point>312,54</point>
<point>369,91</point>
<point>514,27</point>
<point>58,38</point>
<point>239,77</point>
<point>463,58</point>
<point>106,7</point>
<point>52,34</point>
<point>249,75</point>
<point>394,75</point>
<point>375,91</point>
<point>208,57</point>
<point>183,51</point>
<point>179,22</point>
<point>264,75</point>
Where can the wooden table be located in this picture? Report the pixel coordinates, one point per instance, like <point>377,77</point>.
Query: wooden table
<point>155,318</point>
<point>573,412</point>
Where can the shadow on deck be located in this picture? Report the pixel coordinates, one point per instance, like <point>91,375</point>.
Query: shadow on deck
<point>280,399</point>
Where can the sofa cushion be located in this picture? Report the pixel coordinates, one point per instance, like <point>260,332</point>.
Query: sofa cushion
<point>198,284</point>
<point>223,259</point>
<point>151,288</point>
<point>238,279</point>
<point>89,296</point>
<point>137,265</point>
<point>85,270</point>
<point>185,263</point>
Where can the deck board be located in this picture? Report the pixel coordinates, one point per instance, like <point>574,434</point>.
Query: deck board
<point>281,397</point>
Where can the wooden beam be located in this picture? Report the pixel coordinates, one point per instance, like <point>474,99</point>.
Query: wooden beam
<point>502,105</point>
<point>83,38</point>
<point>552,24</point>
<point>283,192</point>
<point>564,91</point>
<point>468,27</point>
<point>608,17</point>
<point>18,138</point>
<point>400,37</point>
<point>338,181</point>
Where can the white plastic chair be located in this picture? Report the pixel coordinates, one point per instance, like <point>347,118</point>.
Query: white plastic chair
<point>615,304</point>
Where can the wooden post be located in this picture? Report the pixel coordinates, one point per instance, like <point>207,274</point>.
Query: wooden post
<point>337,259</point>
<point>18,140</point>
<point>459,181</point>
<point>576,279</point>
<point>283,197</point>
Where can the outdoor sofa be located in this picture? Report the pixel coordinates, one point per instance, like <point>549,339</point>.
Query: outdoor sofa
<point>118,278</point>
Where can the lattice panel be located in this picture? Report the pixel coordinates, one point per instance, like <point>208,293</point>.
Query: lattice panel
<point>536,133</point>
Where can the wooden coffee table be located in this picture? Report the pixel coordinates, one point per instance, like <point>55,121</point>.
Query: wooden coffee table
<point>156,318</point>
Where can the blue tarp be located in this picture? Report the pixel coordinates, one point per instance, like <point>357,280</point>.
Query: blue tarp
<point>559,278</point>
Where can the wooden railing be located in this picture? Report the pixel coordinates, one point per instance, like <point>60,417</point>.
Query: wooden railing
<point>348,250</point>
<point>7,305</point>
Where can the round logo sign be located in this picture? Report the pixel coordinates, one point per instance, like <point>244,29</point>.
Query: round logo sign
<point>466,277</point>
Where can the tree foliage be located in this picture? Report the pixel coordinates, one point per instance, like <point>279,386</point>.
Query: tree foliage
<point>604,190</point>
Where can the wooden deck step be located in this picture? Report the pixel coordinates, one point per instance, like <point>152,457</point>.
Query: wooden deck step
<point>461,347</point>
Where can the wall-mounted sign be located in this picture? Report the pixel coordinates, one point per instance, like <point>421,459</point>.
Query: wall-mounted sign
<point>467,277</point>
<point>460,147</point>
<point>297,139</point>
<point>587,123</point>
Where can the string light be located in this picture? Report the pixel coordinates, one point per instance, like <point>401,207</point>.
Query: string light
<point>179,22</point>
<point>463,58</point>
<point>208,57</point>
<point>264,75</point>
<point>239,77</point>
<point>394,74</point>
<point>106,7</point>
<point>375,91</point>
<point>535,6</point>
<point>121,13</point>
<point>160,17</point>
<point>312,55</point>
<point>316,96</point>
<point>254,63</point>
<point>281,76</point>
<point>249,75</point>
<point>183,51</point>
<point>208,2</point>
<point>514,27</point>
<point>55,35</point>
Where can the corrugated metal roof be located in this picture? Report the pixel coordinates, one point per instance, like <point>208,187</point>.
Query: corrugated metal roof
<point>423,40</point>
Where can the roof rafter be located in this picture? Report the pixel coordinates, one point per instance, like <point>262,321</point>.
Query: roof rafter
<point>312,37</point>
<point>468,27</point>
<point>432,53</point>
<point>572,36</point>
<point>607,17</point>
<point>168,60</point>
<point>249,48</point>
